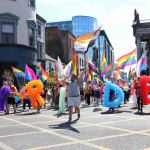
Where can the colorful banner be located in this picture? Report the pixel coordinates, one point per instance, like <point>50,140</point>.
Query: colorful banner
<point>82,42</point>
<point>127,59</point>
<point>29,74</point>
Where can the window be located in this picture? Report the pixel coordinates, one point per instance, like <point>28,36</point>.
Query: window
<point>32,3</point>
<point>31,37</point>
<point>31,33</point>
<point>39,30</point>
<point>7,33</point>
<point>8,28</point>
<point>39,48</point>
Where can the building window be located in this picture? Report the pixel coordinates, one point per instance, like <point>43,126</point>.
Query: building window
<point>31,33</point>
<point>39,48</point>
<point>39,29</point>
<point>7,33</point>
<point>32,3</point>
<point>31,37</point>
<point>8,28</point>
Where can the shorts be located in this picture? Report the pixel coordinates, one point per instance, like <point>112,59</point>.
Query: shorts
<point>11,101</point>
<point>73,101</point>
<point>97,94</point>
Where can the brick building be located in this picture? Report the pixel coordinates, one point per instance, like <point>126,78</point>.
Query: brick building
<point>59,43</point>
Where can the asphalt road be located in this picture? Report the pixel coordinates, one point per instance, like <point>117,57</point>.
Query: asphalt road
<point>96,129</point>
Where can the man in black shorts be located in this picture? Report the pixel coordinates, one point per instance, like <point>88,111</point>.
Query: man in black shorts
<point>11,98</point>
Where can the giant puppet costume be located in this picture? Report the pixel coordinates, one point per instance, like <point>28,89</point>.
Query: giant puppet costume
<point>145,89</point>
<point>4,93</point>
<point>110,101</point>
<point>34,90</point>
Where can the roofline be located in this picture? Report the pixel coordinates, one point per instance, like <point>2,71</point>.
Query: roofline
<point>40,18</point>
<point>58,22</point>
<point>102,32</point>
<point>84,16</point>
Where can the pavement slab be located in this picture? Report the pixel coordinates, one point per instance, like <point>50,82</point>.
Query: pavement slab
<point>130,142</point>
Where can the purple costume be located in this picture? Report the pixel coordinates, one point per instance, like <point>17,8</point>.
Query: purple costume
<point>4,92</point>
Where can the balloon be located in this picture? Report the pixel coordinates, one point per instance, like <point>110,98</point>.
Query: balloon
<point>112,102</point>
<point>145,89</point>
<point>62,99</point>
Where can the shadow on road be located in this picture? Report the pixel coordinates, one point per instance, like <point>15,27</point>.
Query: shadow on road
<point>25,114</point>
<point>141,113</point>
<point>115,112</point>
<point>66,125</point>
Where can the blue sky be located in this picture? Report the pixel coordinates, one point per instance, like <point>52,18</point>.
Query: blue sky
<point>116,17</point>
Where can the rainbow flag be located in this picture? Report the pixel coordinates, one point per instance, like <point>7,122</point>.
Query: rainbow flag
<point>74,63</point>
<point>29,74</point>
<point>18,73</point>
<point>127,59</point>
<point>108,71</point>
<point>104,65</point>
<point>43,75</point>
<point>129,74</point>
<point>132,74</point>
<point>56,70</point>
<point>90,76</point>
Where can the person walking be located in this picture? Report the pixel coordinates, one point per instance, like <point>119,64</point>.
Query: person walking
<point>73,97</point>
<point>139,101</point>
<point>11,98</point>
<point>87,93</point>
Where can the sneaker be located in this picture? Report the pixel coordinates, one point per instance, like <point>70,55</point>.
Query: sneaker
<point>38,110</point>
<point>70,119</point>
<point>6,113</point>
<point>78,116</point>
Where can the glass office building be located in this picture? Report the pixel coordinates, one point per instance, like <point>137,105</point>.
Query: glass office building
<point>78,25</point>
<point>102,46</point>
<point>83,24</point>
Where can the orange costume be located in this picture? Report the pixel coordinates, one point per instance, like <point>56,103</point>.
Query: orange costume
<point>34,90</point>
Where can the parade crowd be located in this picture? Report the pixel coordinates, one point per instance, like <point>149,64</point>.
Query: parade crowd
<point>76,91</point>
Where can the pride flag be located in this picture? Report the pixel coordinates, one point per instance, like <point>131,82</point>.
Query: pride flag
<point>90,76</point>
<point>127,59</point>
<point>108,71</point>
<point>74,63</point>
<point>56,70</point>
<point>68,70</point>
<point>92,67</point>
<point>43,75</point>
<point>104,65</point>
<point>82,42</point>
<point>60,68</point>
<point>132,74</point>
<point>29,74</point>
<point>142,64</point>
<point>18,73</point>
